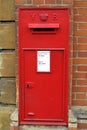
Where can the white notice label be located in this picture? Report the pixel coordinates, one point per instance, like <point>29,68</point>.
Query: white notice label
<point>43,61</point>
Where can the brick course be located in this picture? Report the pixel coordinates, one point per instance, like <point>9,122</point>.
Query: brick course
<point>82,126</point>
<point>49,1</point>
<point>38,1</point>
<point>20,1</point>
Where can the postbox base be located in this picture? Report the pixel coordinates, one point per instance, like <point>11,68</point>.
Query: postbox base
<point>26,127</point>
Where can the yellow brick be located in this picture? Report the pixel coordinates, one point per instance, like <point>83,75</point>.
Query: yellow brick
<point>7,36</point>
<point>7,64</point>
<point>5,113</point>
<point>7,9</point>
<point>6,85</point>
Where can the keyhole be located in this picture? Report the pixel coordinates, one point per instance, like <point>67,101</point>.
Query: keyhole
<point>28,86</point>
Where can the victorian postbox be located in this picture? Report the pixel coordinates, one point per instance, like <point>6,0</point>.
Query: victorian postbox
<point>43,65</point>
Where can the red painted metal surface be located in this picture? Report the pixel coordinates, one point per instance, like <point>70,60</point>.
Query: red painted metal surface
<point>43,25</point>
<point>43,94</point>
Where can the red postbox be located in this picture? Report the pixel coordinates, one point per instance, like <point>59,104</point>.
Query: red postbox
<point>43,65</point>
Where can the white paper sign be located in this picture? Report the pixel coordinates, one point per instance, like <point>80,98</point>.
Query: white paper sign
<point>43,61</point>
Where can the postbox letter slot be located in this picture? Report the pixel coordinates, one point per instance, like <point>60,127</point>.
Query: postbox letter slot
<point>43,29</point>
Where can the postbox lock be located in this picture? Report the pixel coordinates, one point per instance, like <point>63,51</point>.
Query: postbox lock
<point>28,85</point>
<point>43,16</point>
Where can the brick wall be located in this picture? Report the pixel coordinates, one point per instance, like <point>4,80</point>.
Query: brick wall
<point>7,62</point>
<point>80,62</point>
<point>80,54</point>
<point>28,2</point>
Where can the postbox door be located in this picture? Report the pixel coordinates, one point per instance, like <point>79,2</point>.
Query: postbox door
<point>44,89</point>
